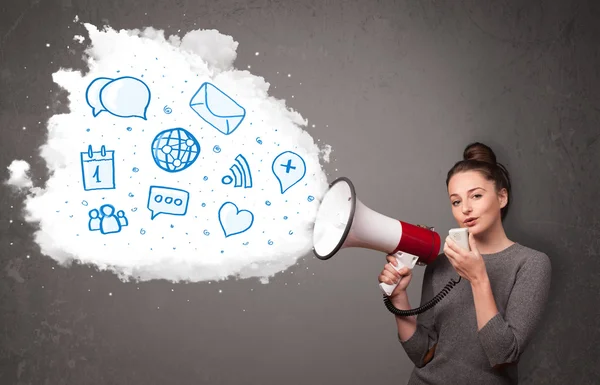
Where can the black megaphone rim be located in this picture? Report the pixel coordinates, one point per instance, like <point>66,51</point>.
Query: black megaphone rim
<point>350,219</point>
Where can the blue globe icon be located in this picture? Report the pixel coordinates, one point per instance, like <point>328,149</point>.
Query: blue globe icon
<point>175,149</point>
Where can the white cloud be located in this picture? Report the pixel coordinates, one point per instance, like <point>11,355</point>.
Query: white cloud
<point>19,177</point>
<point>192,246</point>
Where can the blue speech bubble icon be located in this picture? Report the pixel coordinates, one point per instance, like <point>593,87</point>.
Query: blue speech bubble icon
<point>92,95</point>
<point>167,200</point>
<point>125,97</point>
<point>289,168</point>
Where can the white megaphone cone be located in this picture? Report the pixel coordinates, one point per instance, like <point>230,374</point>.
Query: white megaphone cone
<point>344,221</point>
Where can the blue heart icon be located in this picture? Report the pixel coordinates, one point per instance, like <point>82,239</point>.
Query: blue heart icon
<point>233,220</point>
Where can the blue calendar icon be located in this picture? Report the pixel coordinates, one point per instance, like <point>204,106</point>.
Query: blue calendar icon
<point>98,169</point>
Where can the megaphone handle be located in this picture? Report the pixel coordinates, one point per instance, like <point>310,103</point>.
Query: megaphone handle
<point>404,260</point>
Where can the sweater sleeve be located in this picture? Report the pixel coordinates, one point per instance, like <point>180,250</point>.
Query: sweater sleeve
<point>504,338</point>
<point>426,335</point>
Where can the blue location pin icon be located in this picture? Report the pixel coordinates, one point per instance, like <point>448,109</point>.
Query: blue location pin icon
<point>289,168</point>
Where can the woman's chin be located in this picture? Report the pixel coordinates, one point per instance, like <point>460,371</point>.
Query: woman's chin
<point>474,229</point>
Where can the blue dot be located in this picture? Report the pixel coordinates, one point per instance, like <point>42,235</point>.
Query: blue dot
<point>129,128</point>
<point>268,203</point>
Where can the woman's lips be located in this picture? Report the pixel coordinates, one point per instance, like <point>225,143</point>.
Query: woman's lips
<point>470,223</point>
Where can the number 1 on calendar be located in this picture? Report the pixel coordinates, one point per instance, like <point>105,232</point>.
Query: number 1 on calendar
<point>98,169</point>
<point>97,174</point>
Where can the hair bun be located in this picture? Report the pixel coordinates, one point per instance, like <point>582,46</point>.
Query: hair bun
<point>479,152</point>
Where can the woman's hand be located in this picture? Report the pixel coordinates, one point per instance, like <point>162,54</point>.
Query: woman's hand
<point>390,276</point>
<point>468,264</point>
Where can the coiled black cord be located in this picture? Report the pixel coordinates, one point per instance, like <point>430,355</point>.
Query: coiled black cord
<point>425,307</point>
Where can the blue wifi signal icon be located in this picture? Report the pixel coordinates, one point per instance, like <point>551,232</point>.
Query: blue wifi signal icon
<point>241,173</point>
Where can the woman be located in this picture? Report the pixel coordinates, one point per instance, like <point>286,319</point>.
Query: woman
<point>478,332</point>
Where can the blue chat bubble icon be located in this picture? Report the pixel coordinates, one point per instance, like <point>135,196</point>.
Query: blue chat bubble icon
<point>167,200</point>
<point>125,97</point>
<point>92,95</point>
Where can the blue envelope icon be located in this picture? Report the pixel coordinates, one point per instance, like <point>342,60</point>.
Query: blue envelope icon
<point>217,109</point>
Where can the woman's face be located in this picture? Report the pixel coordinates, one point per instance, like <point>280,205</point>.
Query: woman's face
<point>472,196</point>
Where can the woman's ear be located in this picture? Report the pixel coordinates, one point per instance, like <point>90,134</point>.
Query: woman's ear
<point>503,197</point>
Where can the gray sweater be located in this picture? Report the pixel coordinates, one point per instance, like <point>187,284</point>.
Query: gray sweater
<point>520,281</point>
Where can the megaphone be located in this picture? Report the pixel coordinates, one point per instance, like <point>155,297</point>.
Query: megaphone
<point>344,221</point>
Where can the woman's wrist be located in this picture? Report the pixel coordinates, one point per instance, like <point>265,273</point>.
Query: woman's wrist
<point>400,301</point>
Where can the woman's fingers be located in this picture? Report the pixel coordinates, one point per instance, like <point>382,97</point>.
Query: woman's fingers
<point>386,279</point>
<point>391,269</point>
<point>396,274</point>
<point>393,275</point>
<point>390,275</point>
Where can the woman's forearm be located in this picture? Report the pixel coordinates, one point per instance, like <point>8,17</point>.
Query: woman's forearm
<point>485,304</point>
<point>406,325</point>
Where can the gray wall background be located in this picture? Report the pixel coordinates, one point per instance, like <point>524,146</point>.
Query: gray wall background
<point>398,88</point>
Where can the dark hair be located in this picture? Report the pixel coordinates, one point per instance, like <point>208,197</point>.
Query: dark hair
<point>479,157</point>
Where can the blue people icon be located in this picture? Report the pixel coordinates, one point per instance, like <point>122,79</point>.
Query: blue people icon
<point>106,221</point>
<point>122,218</point>
<point>109,222</point>
<point>289,168</point>
<point>94,223</point>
